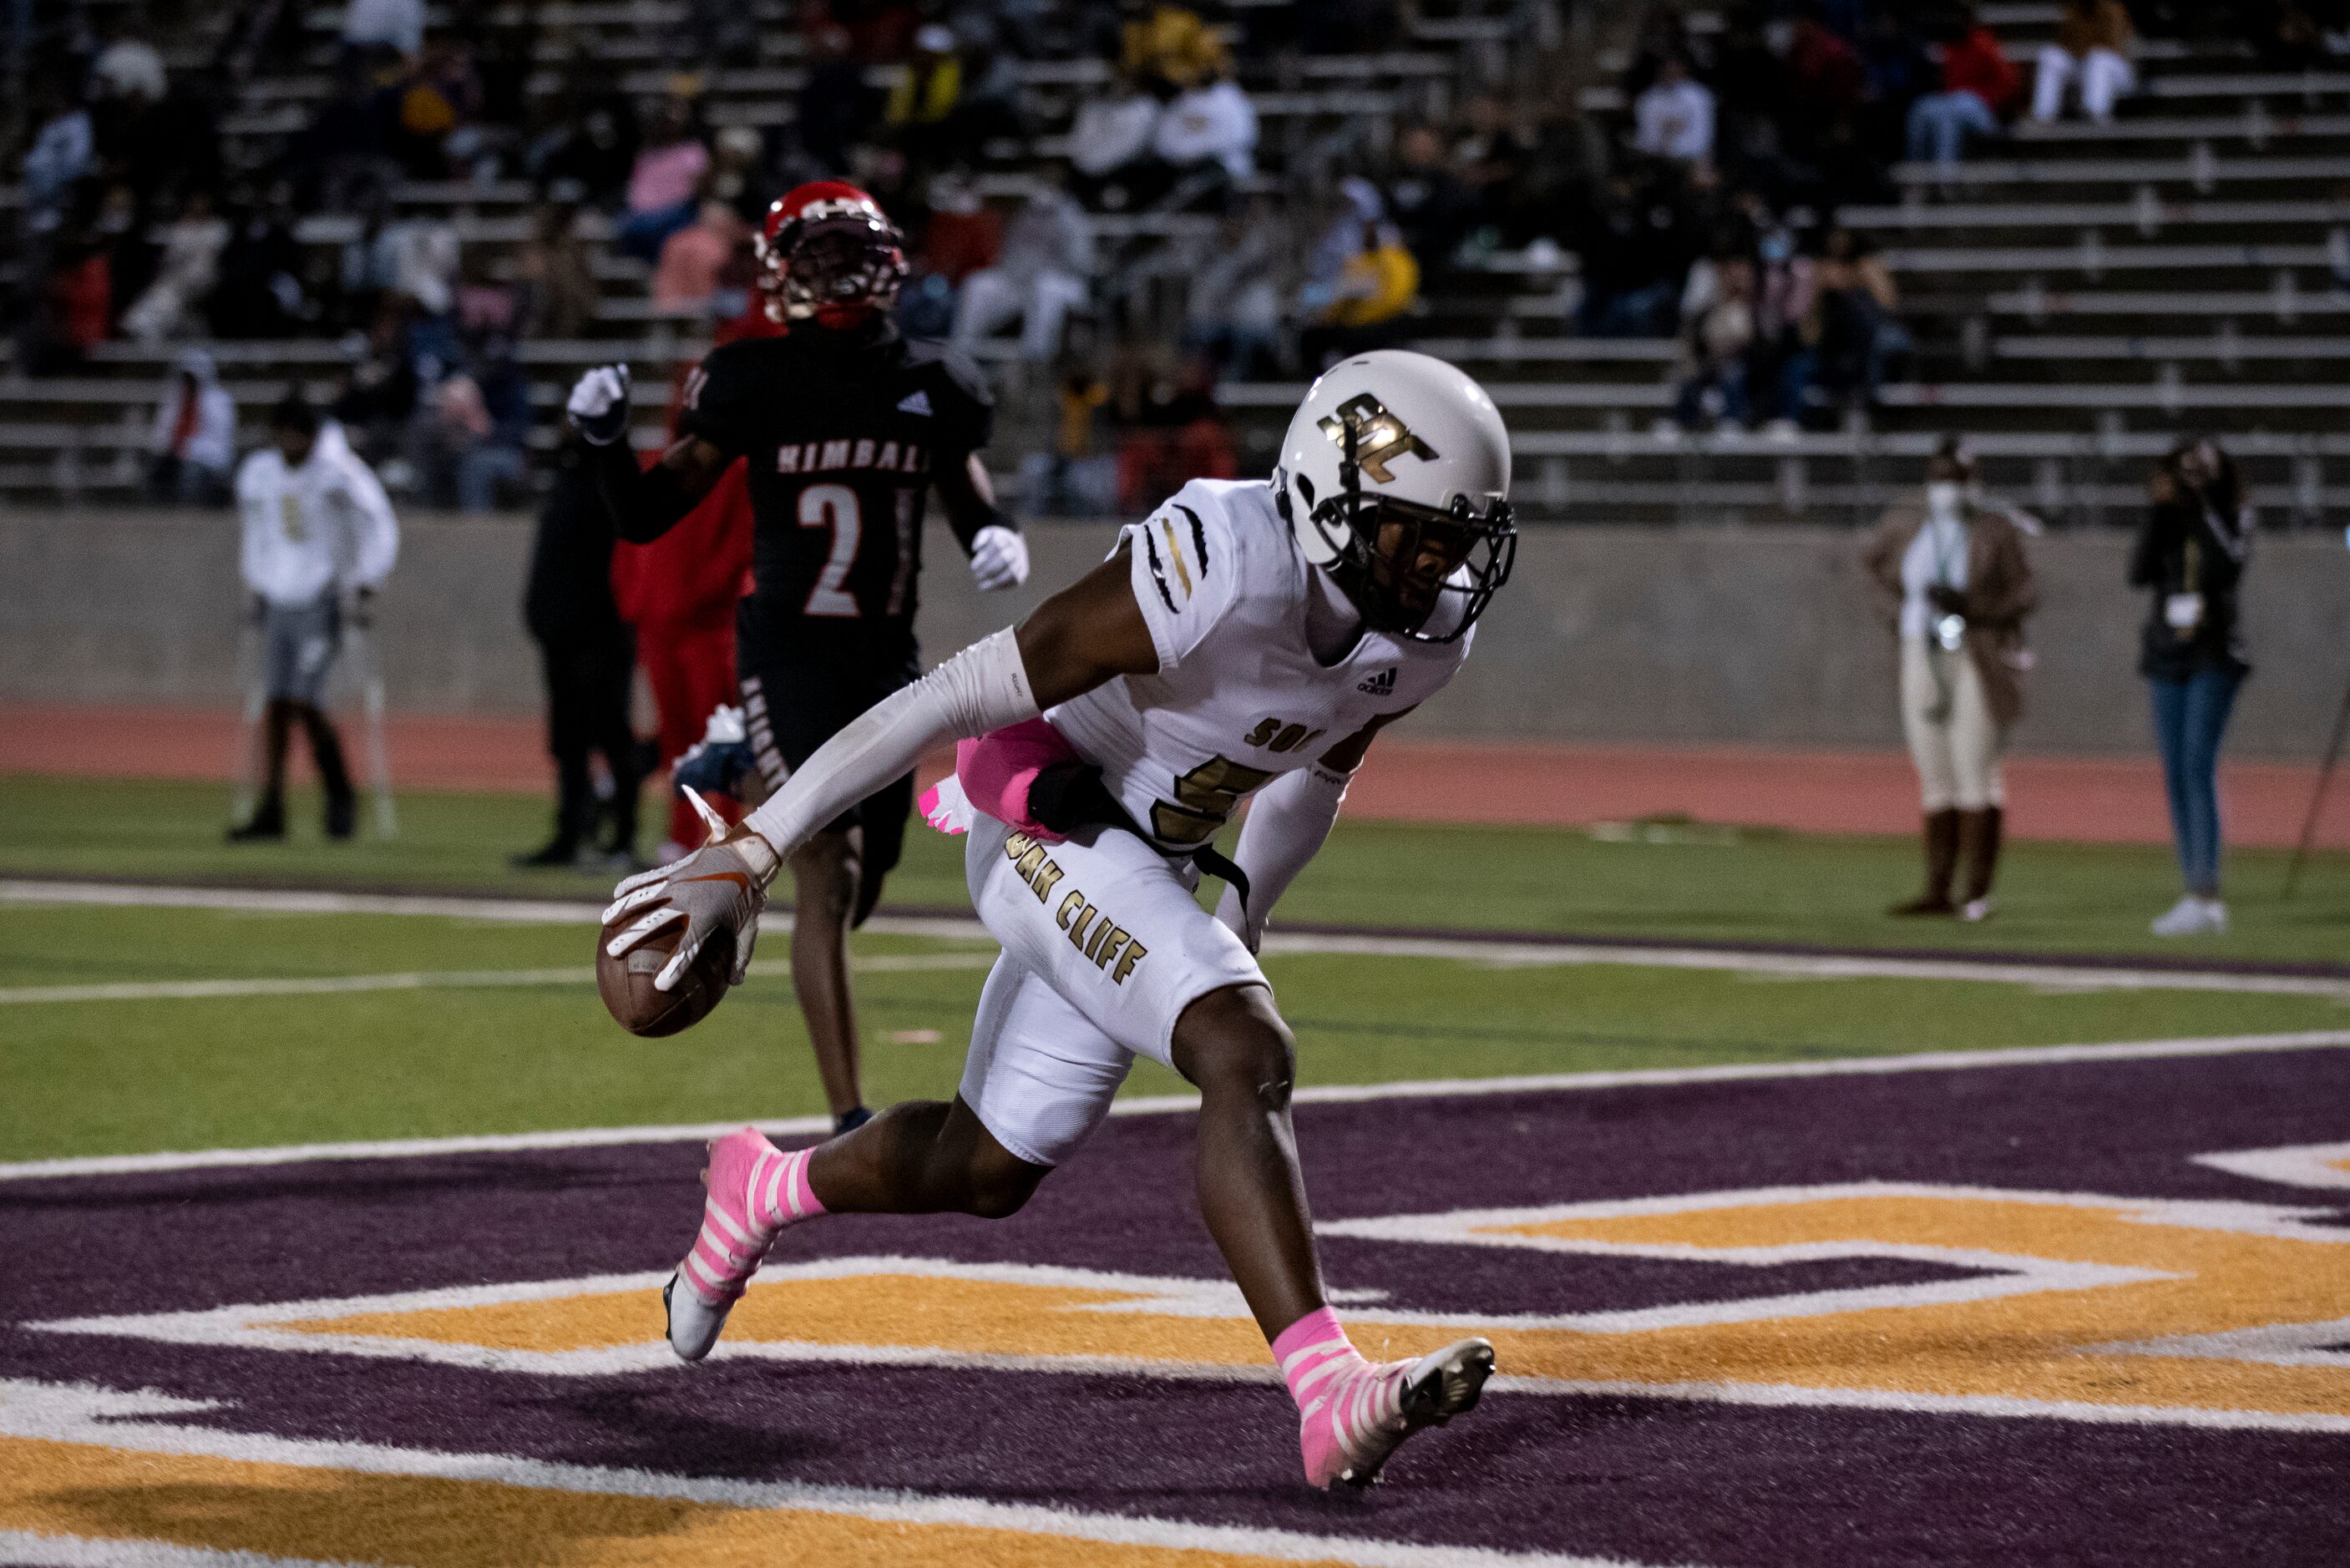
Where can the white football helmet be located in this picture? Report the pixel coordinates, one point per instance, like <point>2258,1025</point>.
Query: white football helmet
<point>1395,477</point>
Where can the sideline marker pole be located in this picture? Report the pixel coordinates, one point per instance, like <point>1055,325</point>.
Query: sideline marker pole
<point>2317,796</point>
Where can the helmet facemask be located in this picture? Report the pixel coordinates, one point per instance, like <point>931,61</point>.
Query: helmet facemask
<point>837,271</point>
<point>1399,562</point>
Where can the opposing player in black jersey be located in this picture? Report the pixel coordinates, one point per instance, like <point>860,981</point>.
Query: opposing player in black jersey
<point>845,427</point>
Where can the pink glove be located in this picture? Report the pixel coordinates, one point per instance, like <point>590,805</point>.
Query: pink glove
<point>994,772</point>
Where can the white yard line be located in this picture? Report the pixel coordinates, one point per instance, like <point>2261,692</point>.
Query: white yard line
<point>140,1423</point>
<point>422,980</point>
<point>1465,950</point>
<point>1160,1104</point>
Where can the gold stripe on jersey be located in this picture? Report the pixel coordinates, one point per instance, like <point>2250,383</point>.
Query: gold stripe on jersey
<point>1175,553</point>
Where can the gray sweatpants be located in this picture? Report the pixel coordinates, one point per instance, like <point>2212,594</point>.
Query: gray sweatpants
<point>299,642</point>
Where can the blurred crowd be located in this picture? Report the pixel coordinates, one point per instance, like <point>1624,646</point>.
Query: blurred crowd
<point>1693,196</point>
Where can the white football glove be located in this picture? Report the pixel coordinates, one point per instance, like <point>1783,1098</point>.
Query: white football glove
<point>598,406</point>
<point>999,558</point>
<point>721,887</point>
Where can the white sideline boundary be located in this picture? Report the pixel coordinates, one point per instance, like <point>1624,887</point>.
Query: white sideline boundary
<point>1499,953</point>
<point>1161,1104</point>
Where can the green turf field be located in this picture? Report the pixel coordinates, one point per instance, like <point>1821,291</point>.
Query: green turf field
<point>1666,882</point>
<point>104,1075</point>
<point>499,1029</point>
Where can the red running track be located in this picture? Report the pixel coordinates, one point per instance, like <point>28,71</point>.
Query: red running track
<point>2092,800</point>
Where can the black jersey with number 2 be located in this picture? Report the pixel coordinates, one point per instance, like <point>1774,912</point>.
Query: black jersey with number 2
<point>841,440</point>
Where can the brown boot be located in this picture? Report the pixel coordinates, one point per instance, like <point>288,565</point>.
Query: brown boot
<point>1941,863</point>
<point>1978,840</point>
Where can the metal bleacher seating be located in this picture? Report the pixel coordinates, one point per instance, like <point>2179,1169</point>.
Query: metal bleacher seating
<point>2080,294</point>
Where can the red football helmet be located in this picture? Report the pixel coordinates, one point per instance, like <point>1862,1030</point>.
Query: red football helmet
<point>828,254</point>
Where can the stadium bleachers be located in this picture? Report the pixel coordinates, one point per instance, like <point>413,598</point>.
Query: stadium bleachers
<point>2079,294</point>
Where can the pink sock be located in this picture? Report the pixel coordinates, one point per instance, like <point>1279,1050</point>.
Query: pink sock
<point>782,1192</point>
<point>1310,1351</point>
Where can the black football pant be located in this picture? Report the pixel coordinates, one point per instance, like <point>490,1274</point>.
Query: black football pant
<point>588,691</point>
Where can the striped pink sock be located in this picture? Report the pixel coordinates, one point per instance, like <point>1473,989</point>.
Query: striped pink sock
<point>1311,1351</point>
<point>782,1192</point>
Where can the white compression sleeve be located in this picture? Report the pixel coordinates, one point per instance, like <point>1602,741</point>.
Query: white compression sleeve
<point>983,688</point>
<point>1286,824</point>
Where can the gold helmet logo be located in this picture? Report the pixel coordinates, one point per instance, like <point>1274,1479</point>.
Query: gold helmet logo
<point>1379,436</point>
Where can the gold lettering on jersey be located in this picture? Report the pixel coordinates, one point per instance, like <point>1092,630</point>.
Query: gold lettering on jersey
<point>1380,436</point>
<point>1116,938</point>
<point>1134,954</point>
<point>1279,735</point>
<point>1069,907</point>
<point>1077,929</point>
<point>1091,932</point>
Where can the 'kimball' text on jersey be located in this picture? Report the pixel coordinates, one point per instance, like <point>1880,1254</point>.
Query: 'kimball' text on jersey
<point>841,441</point>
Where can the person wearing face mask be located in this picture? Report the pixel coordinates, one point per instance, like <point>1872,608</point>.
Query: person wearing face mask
<point>1953,574</point>
<point>2191,552</point>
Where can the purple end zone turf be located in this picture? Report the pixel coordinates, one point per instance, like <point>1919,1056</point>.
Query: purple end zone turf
<point>1649,1479</point>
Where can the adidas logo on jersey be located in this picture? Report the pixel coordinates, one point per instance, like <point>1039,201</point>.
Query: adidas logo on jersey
<point>915,402</point>
<point>1380,685</point>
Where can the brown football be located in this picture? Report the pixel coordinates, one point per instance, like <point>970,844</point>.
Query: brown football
<point>625,984</point>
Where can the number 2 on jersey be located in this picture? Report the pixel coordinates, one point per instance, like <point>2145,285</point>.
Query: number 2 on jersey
<point>834,506</point>
<point>1204,801</point>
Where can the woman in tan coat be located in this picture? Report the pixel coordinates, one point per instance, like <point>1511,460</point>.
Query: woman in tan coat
<point>1953,575</point>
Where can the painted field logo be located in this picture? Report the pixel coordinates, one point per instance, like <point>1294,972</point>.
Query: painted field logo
<point>2045,1303</point>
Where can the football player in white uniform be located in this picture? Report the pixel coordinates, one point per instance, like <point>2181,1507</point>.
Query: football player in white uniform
<point>1244,639</point>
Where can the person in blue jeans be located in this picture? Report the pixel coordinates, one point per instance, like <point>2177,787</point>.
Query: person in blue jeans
<point>2191,556</point>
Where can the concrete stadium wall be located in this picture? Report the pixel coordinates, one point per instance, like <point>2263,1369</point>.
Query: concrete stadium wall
<point>1631,635</point>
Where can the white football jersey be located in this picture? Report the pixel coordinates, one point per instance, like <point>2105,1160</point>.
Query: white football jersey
<point>1239,697</point>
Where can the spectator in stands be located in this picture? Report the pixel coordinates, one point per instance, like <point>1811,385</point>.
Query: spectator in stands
<point>2092,50</point>
<point>1979,83</point>
<point>1631,250</point>
<point>191,455</point>
<point>486,307</point>
<point>736,177</point>
<point>589,657</point>
<point>583,143</point>
<point>1110,146</point>
<point>342,155</point>
<point>1674,118</point>
<point>261,292</point>
<point>557,275</point>
<point>1043,272</point>
<point>380,386</point>
<point>1857,332</point>
<point>920,118</point>
<point>1077,478</point>
<point>836,106</point>
<point>77,308</point>
<point>1500,167</point>
<point>62,152</point>
<point>397,25</point>
<point>2191,557</point>
<point>1206,140</point>
<point>1717,334</point>
<point>128,67</point>
<point>662,181</point>
<point>1954,576</point>
<point>439,95</point>
<point>1779,368</point>
<point>1170,43</point>
<point>693,259</point>
<point>467,443</point>
<point>1233,313</point>
<point>1376,289</point>
<point>1430,204</point>
<point>172,304</point>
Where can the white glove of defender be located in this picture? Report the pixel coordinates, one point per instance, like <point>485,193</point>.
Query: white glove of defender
<point>598,407</point>
<point>999,558</point>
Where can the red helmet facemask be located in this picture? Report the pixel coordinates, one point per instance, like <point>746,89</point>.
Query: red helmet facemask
<point>828,253</point>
